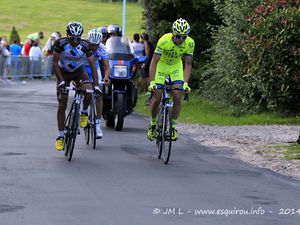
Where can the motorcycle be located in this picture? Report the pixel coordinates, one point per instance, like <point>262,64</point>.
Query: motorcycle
<point>122,95</point>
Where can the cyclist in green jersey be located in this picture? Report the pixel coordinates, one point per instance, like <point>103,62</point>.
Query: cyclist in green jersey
<point>167,60</point>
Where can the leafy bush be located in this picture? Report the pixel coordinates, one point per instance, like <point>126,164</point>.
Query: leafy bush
<point>14,35</point>
<point>272,46</point>
<point>255,60</point>
<point>199,13</point>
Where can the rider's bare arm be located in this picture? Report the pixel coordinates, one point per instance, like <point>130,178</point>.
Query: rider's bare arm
<point>92,64</point>
<point>153,65</point>
<point>56,57</point>
<point>106,68</point>
<point>187,67</point>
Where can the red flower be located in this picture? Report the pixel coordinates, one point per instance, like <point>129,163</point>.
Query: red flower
<point>282,2</point>
<point>284,21</point>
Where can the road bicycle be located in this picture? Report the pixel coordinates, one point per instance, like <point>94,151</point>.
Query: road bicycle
<point>164,122</point>
<point>90,129</point>
<point>71,126</point>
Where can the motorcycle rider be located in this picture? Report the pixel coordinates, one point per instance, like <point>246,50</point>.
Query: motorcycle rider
<point>114,30</point>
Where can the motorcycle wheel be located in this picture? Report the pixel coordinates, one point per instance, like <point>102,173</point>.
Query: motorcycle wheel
<point>120,111</point>
<point>110,120</point>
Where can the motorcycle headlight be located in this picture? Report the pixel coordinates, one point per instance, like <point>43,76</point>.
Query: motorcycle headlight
<point>120,71</point>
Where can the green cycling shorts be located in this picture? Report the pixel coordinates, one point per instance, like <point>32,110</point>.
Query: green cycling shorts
<point>162,70</point>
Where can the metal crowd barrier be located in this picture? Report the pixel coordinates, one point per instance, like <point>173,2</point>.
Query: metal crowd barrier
<point>15,67</point>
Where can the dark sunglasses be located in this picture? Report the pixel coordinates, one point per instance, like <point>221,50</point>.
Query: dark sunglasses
<point>181,37</point>
<point>74,38</point>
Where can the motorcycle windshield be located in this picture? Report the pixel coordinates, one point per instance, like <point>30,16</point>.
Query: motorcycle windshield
<point>118,48</point>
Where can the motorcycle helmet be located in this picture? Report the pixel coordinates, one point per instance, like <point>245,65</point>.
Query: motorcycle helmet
<point>114,29</point>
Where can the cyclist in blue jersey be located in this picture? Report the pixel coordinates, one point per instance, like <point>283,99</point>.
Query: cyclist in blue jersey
<point>68,56</point>
<point>100,55</point>
<point>104,34</point>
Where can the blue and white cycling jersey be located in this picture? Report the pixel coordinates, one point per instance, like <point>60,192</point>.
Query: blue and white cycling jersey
<point>71,58</point>
<point>99,54</point>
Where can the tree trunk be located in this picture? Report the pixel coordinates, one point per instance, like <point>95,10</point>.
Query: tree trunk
<point>147,4</point>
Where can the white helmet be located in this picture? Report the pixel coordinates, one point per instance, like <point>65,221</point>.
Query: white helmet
<point>74,28</point>
<point>95,36</point>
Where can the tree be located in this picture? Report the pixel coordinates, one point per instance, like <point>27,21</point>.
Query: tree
<point>255,56</point>
<point>14,36</point>
<point>200,14</point>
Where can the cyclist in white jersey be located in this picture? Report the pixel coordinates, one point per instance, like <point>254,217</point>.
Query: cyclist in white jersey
<point>68,56</point>
<point>100,54</point>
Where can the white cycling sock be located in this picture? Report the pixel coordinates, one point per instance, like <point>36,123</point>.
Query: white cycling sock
<point>98,121</point>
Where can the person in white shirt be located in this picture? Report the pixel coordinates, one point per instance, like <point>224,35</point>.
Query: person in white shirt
<point>35,52</point>
<point>35,55</point>
<point>138,47</point>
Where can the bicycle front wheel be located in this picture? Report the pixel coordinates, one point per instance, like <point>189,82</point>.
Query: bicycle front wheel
<point>159,130</point>
<point>67,129</point>
<point>167,136</point>
<point>73,131</point>
<point>87,134</point>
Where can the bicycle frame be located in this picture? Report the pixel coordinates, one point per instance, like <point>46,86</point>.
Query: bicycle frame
<point>90,129</point>
<point>72,121</point>
<point>164,125</point>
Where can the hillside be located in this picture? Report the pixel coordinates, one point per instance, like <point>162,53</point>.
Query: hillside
<point>49,15</point>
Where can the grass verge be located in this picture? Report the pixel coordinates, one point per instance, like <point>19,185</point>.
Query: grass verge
<point>292,151</point>
<point>198,110</point>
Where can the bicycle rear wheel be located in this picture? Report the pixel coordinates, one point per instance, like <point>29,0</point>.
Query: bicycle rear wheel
<point>73,131</point>
<point>167,136</point>
<point>93,125</point>
<point>87,131</point>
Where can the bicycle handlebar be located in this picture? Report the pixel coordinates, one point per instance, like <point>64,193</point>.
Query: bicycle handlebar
<point>186,96</point>
<point>69,88</point>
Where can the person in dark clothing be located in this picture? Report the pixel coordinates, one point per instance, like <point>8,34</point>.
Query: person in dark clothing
<point>149,49</point>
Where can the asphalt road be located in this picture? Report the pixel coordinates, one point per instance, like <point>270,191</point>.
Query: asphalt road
<point>121,182</point>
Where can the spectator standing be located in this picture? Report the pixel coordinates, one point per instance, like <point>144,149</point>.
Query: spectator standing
<point>35,55</point>
<point>15,49</point>
<point>35,37</point>
<point>138,47</point>
<point>5,47</point>
<point>149,50</point>
<point>49,46</point>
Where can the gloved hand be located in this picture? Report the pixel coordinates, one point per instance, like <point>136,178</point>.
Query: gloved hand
<point>106,80</point>
<point>152,86</point>
<point>97,90</point>
<point>186,87</point>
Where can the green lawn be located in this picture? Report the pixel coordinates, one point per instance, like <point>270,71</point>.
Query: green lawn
<point>198,110</point>
<point>29,16</point>
<point>292,152</point>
